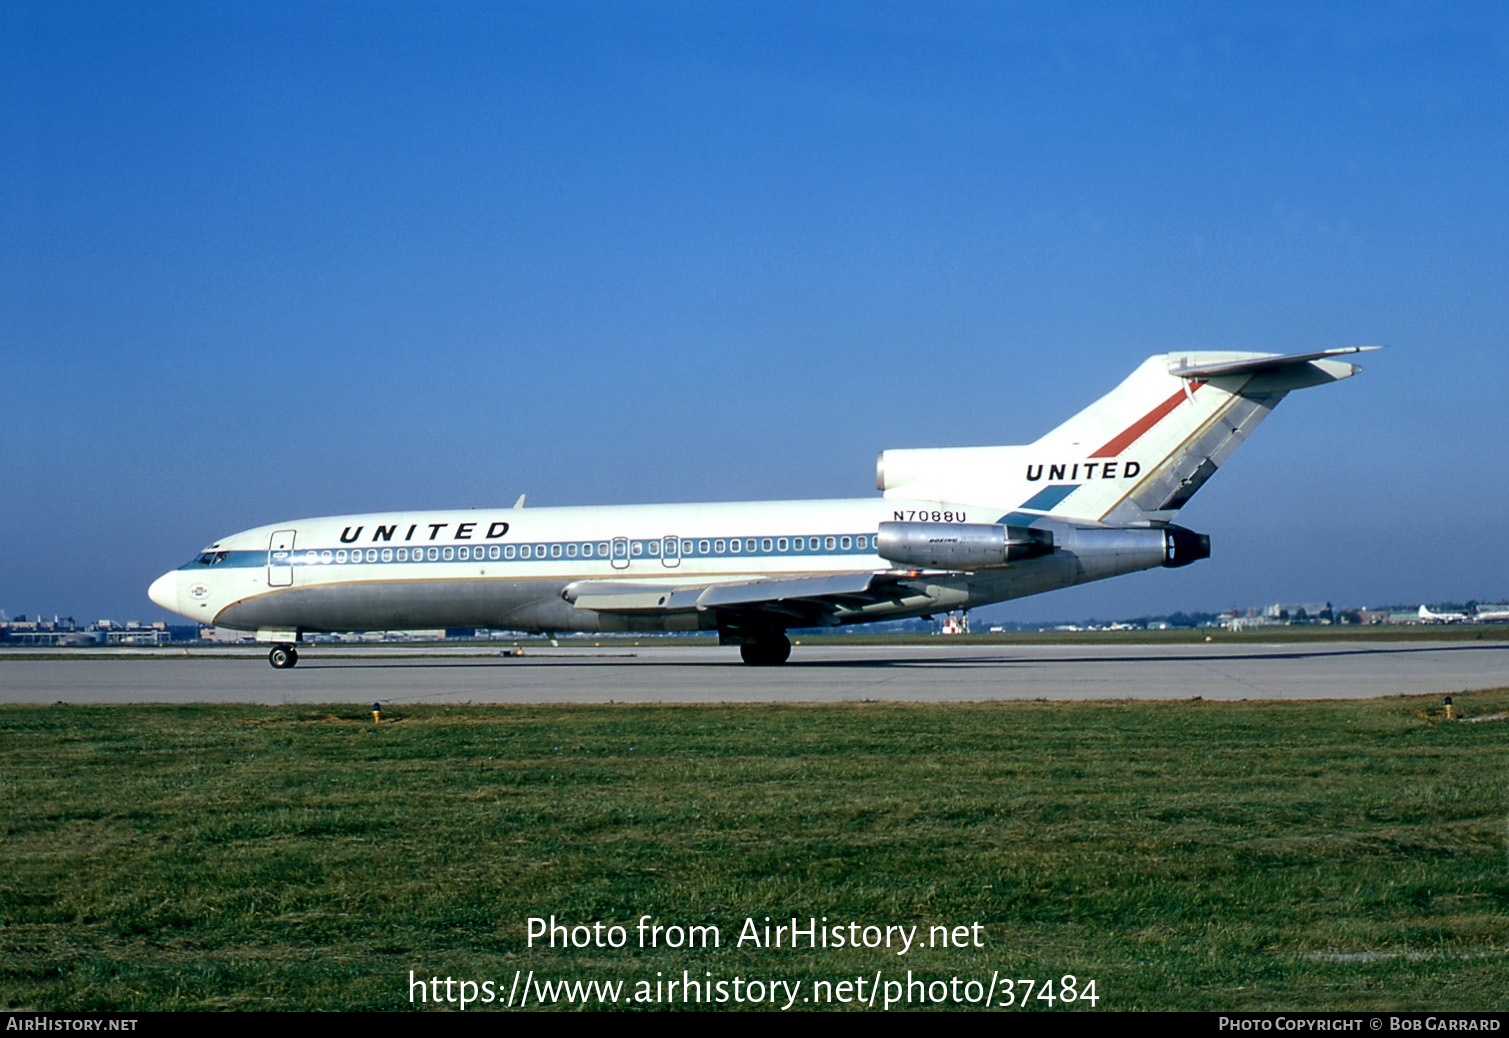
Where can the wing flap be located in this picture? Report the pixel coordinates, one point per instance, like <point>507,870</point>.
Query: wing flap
<point>781,590</point>
<point>614,596</point>
<point>793,596</point>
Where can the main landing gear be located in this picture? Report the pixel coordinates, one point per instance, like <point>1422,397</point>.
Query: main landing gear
<point>283,656</point>
<point>766,650</point>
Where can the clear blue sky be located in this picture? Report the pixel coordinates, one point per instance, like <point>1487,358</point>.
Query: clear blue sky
<point>262,261</point>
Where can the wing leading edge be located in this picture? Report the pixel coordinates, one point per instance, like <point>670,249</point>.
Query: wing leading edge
<point>816,601</point>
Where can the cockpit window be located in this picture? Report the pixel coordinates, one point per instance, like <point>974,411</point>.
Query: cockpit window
<point>212,558</point>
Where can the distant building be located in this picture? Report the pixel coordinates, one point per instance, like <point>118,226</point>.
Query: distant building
<point>1298,612</point>
<point>63,631</point>
<point>1280,614</point>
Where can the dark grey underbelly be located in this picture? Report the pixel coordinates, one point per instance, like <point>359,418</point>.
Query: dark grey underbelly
<point>537,605</point>
<point>398,605</point>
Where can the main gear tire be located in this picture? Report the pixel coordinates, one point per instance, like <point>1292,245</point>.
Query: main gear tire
<point>767,651</point>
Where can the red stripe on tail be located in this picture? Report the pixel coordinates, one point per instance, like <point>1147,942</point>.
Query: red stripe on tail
<point>1124,439</point>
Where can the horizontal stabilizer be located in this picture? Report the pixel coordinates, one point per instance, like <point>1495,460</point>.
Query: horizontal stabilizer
<point>1253,364</point>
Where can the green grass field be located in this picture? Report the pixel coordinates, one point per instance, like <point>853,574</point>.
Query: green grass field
<point>1183,855</point>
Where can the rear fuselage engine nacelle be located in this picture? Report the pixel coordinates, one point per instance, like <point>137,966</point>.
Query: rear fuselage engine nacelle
<point>1131,548</point>
<point>960,546</point>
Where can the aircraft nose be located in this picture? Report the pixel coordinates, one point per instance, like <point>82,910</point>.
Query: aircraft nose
<point>164,591</point>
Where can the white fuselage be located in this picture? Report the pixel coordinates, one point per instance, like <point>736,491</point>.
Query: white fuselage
<point>510,568</point>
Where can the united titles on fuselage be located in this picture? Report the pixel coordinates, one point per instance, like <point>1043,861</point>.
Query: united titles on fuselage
<point>463,532</point>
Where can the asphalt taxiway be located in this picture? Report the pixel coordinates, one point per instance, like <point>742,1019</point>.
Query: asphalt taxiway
<point>707,674</point>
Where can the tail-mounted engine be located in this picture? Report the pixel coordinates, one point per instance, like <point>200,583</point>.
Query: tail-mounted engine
<point>960,546</point>
<point>1182,546</point>
<point>1126,549</point>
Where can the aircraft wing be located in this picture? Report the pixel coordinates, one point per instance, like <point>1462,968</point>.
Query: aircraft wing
<point>810,601</point>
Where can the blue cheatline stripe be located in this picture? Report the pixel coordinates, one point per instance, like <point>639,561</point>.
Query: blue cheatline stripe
<point>546,551</point>
<point>1049,498</point>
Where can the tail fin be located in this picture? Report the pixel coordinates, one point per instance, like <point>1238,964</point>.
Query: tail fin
<point>1137,454</point>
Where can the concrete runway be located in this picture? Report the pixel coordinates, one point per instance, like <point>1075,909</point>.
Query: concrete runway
<point>624,674</point>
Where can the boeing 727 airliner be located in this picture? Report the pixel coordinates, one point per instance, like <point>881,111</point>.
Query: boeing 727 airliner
<point>955,528</point>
